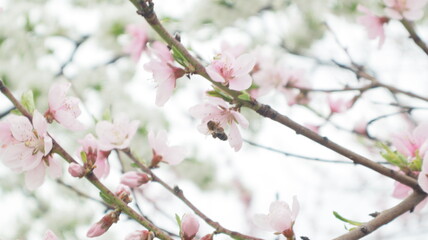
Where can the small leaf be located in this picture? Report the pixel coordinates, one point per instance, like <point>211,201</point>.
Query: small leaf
<point>355,223</point>
<point>393,157</point>
<point>27,100</point>
<point>106,115</point>
<point>106,198</point>
<point>177,218</point>
<point>83,157</point>
<point>245,96</point>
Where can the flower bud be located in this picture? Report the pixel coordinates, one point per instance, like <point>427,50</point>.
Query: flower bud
<point>140,235</point>
<point>189,226</point>
<point>103,225</point>
<point>76,170</point>
<point>134,179</point>
<point>49,235</point>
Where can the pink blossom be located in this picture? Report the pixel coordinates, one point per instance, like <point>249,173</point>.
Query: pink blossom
<point>339,105</point>
<point>218,111</point>
<point>95,156</point>
<point>26,147</point>
<point>164,72</point>
<point>232,72</point>
<point>64,110</point>
<point>280,218</point>
<point>134,179</point>
<point>76,170</point>
<point>140,235</point>
<point>189,226</point>
<point>49,235</point>
<point>235,50</point>
<point>360,127</point>
<point>411,142</point>
<point>138,42</point>
<point>162,152</point>
<point>423,175</point>
<point>409,9</point>
<point>373,24</point>
<point>116,135</point>
<point>271,77</point>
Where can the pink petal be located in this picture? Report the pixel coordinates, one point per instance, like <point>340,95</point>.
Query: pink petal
<point>57,94</point>
<point>241,82</point>
<point>40,124</point>
<point>244,64</point>
<point>55,168</point>
<point>414,14</point>
<point>31,161</point>
<point>401,191</point>
<point>175,155</point>
<point>235,139</point>
<point>34,178</point>
<point>394,14</point>
<point>49,235</point>
<point>103,168</point>
<point>262,221</point>
<point>164,92</point>
<point>189,226</point>
<point>423,181</point>
<point>295,208</point>
<point>162,52</point>
<point>21,128</point>
<point>243,122</point>
<point>214,74</point>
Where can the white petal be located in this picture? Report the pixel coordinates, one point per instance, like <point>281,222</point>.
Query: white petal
<point>35,177</point>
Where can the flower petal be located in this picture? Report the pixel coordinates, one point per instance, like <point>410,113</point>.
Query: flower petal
<point>35,177</point>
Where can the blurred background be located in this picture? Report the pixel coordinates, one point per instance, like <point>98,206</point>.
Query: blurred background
<point>87,43</point>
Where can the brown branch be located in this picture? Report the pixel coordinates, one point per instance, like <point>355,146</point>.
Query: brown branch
<point>57,148</point>
<point>265,110</point>
<point>413,35</point>
<point>384,217</point>
<point>180,195</point>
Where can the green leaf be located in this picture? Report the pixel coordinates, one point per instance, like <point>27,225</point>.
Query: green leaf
<point>168,20</point>
<point>245,96</point>
<point>106,198</point>
<point>355,223</point>
<point>27,100</point>
<point>177,218</point>
<point>106,115</point>
<point>83,157</point>
<point>16,112</point>
<point>393,157</point>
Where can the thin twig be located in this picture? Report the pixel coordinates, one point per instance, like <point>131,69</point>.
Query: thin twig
<point>119,203</point>
<point>303,157</point>
<point>179,194</point>
<point>414,35</point>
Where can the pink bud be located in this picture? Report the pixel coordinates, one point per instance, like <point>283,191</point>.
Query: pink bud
<point>140,235</point>
<point>96,230</point>
<point>49,235</point>
<point>189,226</point>
<point>103,225</point>
<point>134,179</point>
<point>76,170</point>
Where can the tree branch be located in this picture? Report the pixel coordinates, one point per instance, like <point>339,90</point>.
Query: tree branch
<point>180,195</point>
<point>384,217</point>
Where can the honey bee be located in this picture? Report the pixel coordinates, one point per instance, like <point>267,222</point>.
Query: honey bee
<point>216,130</point>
